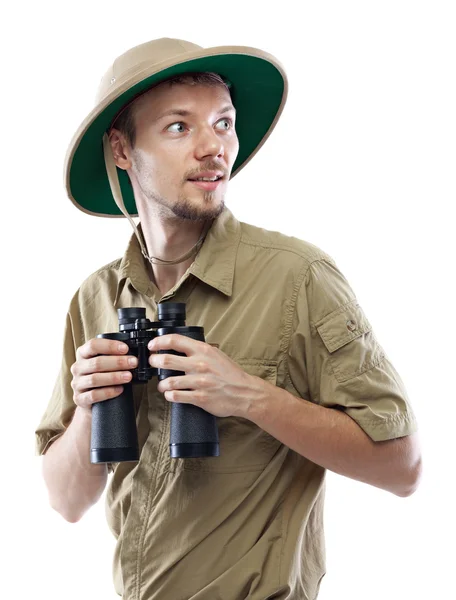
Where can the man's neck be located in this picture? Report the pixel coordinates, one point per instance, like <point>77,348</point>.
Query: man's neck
<point>170,241</point>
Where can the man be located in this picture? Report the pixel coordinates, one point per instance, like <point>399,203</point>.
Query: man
<point>291,367</point>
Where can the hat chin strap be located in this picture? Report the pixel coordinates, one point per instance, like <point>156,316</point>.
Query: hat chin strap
<point>111,169</point>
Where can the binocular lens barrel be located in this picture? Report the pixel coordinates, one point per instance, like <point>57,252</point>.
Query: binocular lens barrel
<point>114,433</point>
<point>171,311</point>
<point>129,315</point>
<point>193,431</point>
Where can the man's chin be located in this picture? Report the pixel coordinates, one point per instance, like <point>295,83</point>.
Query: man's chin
<point>194,211</point>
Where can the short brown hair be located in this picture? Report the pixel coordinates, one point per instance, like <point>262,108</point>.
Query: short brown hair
<point>125,122</point>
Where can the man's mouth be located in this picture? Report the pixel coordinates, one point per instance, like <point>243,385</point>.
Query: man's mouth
<point>207,184</point>
<point>212,179</point>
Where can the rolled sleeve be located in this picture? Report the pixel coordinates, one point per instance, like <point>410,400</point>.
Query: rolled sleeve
<point>335,357</point>
<point>61,406</point>
<point>60,409</point>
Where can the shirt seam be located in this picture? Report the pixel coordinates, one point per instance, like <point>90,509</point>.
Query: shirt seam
<point>46,437</point>
<point>286,248</point>
<point>406,416</point>
<point>114,265</point>
<point>336,312</point>
<point>289,322</point>
<point>139,584</point>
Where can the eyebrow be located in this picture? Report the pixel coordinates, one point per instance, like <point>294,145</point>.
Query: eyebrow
<point>186,113</point>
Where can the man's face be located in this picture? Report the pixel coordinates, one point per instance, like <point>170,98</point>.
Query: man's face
<point>171,149</point>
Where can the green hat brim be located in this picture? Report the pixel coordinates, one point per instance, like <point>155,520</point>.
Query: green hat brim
<point>258,92</point>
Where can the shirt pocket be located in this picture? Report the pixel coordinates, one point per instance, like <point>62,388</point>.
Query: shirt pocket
<point>350,341</point>
<point>243,445</point>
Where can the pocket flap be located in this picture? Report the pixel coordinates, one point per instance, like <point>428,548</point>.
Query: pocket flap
<point>343,325</point>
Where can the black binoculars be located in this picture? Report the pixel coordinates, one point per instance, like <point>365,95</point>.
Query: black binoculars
<point>114,436</point>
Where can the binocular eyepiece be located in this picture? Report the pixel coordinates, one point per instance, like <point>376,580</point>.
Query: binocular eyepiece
<point>114,436</point>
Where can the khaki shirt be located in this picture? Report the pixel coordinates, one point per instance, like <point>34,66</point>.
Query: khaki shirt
<point>249,523</point>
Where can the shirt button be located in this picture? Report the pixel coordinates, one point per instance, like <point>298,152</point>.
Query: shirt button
<point>351,325</point>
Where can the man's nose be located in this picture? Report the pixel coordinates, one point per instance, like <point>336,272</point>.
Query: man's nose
<point>209,144</point>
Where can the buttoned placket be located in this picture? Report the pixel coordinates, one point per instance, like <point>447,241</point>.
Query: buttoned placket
<point>155,460</point>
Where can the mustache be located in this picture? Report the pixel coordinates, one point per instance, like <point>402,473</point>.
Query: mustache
<point>217,168</point>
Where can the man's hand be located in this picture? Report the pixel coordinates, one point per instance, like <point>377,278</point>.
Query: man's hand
<point>212,380</point>
<point>101,367</point>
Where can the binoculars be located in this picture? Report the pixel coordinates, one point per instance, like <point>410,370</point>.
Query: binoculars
<point>114,436</point>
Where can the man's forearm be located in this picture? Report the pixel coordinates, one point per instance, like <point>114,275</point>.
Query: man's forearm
<point>73,482</point>
<point>332,440</point>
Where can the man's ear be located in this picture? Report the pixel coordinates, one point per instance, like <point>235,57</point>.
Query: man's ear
<point>120,148</point>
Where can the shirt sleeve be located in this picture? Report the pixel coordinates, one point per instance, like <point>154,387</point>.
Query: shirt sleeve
<point>335,358</point>
<point>61,406</point>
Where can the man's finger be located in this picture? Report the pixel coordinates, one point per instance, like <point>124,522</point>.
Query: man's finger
<point>97,346</point>
<point>174,341</point>
<point>169,362</point>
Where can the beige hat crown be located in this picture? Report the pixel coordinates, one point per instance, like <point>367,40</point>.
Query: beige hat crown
<point>136,61</point>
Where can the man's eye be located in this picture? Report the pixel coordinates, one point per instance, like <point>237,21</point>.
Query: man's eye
<point>172,125</point>
<point>229,121</point>
<point>181,123</point>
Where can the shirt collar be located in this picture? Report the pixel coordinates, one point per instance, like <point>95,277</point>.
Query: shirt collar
<point>214,264</point>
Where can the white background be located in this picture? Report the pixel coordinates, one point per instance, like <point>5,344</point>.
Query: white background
<point>361,164</point>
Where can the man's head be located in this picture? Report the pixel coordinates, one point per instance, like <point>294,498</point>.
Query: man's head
<point>161,153</point>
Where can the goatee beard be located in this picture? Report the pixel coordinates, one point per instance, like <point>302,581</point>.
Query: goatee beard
<point>183,209</point>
